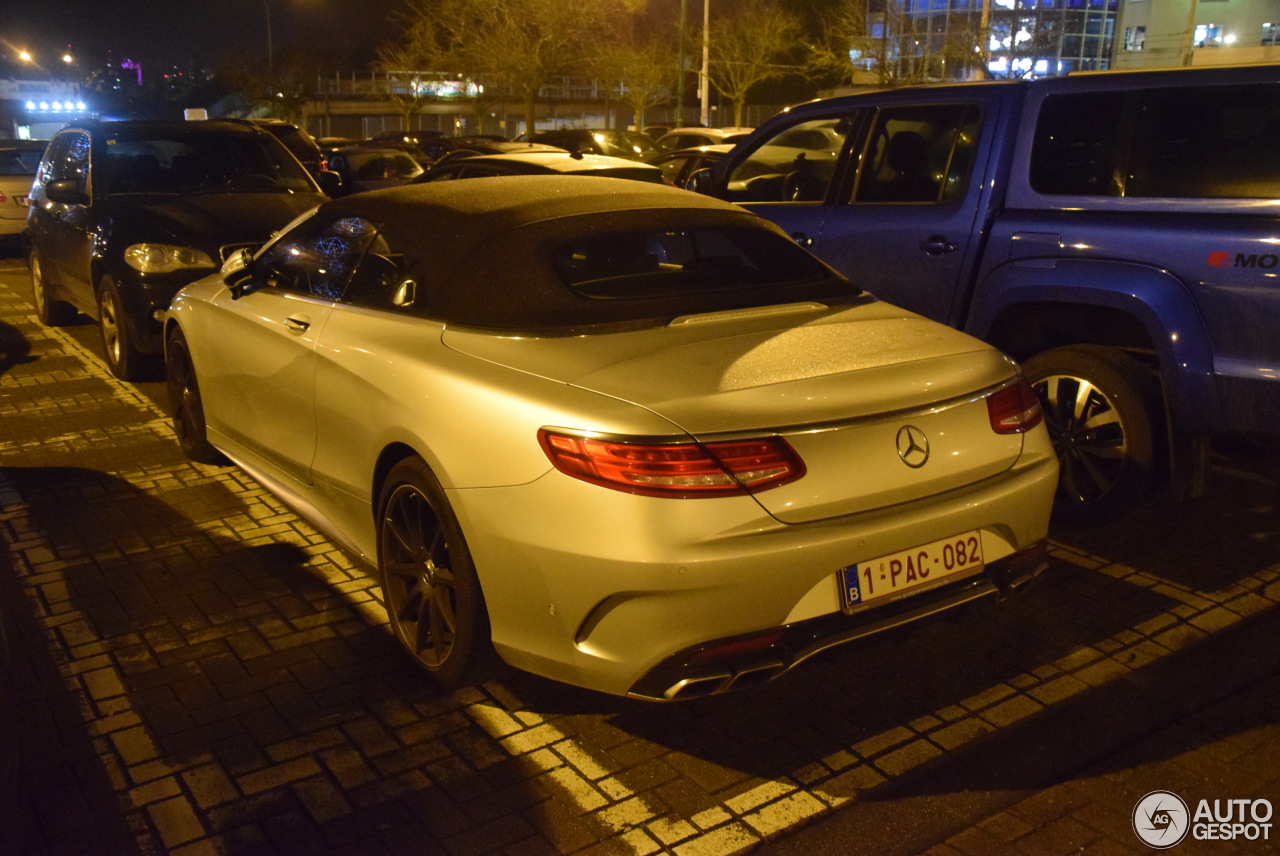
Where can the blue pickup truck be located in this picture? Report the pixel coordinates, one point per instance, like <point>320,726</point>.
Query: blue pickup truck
<point>1117,232</point>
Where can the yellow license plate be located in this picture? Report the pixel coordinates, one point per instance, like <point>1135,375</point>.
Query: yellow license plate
<point>908,569</point>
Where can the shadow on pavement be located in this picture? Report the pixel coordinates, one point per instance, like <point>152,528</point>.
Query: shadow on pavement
<point>194,640</point>
<point>14,348</point>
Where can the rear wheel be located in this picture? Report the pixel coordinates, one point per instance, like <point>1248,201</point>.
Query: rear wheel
<point>1101,411</point>
<point>50,311</point>
<point>185,403</point>
<point>123,357</point>
<point>429,583</point>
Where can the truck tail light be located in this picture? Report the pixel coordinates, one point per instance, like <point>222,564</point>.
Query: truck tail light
<point>1014,409</point>
<point>675,470</point>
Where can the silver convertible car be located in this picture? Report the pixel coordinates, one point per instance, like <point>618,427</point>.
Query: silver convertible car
<point>621,435</point>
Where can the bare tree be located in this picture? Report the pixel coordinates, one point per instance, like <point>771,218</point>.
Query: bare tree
<point>643,64</point>
<point>281,91</point>
<point>404,64</point>
<point>519,45</point>
<point>751,45</point>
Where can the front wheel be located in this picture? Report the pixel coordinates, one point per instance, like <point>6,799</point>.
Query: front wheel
<point>123,357</point>
<point>429,583</point>
<point>185,403</point>
<point>1101,410</point>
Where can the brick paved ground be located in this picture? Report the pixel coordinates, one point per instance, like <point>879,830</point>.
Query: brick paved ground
<point>191,669</point>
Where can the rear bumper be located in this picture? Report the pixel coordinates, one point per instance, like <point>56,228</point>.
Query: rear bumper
<point>622,594</point>
<point>725,665</point>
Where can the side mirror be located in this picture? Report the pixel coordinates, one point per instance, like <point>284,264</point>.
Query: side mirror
<point>65,191</point>
<point>702,181</point>
<point>236,272</point>
<point>330,182</point>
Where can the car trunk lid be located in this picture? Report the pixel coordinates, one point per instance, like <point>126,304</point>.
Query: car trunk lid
<point>839,385</point>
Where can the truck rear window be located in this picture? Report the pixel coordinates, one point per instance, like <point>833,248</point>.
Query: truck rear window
<point>1197,142</point>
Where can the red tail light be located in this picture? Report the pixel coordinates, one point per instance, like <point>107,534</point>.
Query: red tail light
<point>677,470</point>
<point>1014,409</point>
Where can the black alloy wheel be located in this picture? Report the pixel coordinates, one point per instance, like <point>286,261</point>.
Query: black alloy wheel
<point>430,587</point>
<point>1100,408</point>
<point>185,403</point>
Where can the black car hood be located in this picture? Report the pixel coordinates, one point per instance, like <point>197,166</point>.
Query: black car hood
<point>208,221</point>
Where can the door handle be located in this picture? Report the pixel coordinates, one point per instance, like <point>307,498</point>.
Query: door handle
<point>297,323</point>
<point>936,245</point>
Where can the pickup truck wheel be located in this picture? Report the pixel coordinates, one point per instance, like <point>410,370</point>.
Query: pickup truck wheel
<point>1100,408</point>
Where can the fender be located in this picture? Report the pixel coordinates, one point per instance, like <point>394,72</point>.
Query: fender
<point>1157,300</point>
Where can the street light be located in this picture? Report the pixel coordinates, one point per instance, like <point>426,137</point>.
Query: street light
<point>704,81</point>
<point>271,60</point>
<point>680,71</point>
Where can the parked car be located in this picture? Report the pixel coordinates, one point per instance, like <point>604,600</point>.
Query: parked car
<point>123,214</point>
<point>425,146</point>
<point>687,138</point>
<point>1115,232</point>
<point>493,147</point>
<point>679,166</point>
<point>629,437</point>
<point>18,162</point>
<point>300,144</point>
<point>365,168</point>
<point>619,144</point>
<point>555,162</point>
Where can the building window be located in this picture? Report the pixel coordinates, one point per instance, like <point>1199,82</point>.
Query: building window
<point>1271,34</point>
<point>1208,36</point>
<point>1135,38</point>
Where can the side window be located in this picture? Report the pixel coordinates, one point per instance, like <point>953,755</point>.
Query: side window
<point>796,165</point>
<point>672,168</point>
<point>317,257</point>
<point>918,154</point>
<point>68,158</point>
<point>1074,152</point>
<point>1206,142</point>
<point>381,279</point>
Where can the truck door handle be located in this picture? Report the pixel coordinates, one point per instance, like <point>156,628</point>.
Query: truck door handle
<point>936,245</point>
<point>297,324</point>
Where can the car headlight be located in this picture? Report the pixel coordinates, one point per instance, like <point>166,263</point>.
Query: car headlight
<point>162,258</point>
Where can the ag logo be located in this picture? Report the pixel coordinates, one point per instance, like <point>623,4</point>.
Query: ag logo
<point>1161,819</point>
<point>913,446</point>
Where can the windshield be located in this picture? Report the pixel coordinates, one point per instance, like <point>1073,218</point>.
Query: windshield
<point>192,162</point>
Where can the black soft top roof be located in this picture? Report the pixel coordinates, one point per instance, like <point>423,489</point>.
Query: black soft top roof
<point>484,248</point>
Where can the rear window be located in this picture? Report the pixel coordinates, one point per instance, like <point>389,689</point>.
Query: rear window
<point>1201,142</point>
<point>21,163</point>
<point>659,263</point>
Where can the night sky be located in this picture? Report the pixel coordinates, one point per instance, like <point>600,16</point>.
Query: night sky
<point>169,32</point>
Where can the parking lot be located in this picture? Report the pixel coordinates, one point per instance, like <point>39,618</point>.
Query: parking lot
<point>190,668</point>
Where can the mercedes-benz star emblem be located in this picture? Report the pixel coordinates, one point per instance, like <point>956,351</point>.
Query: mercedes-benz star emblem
<point>913,446</point>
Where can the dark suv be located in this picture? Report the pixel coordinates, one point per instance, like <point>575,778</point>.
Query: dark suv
<point>123,214</point>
